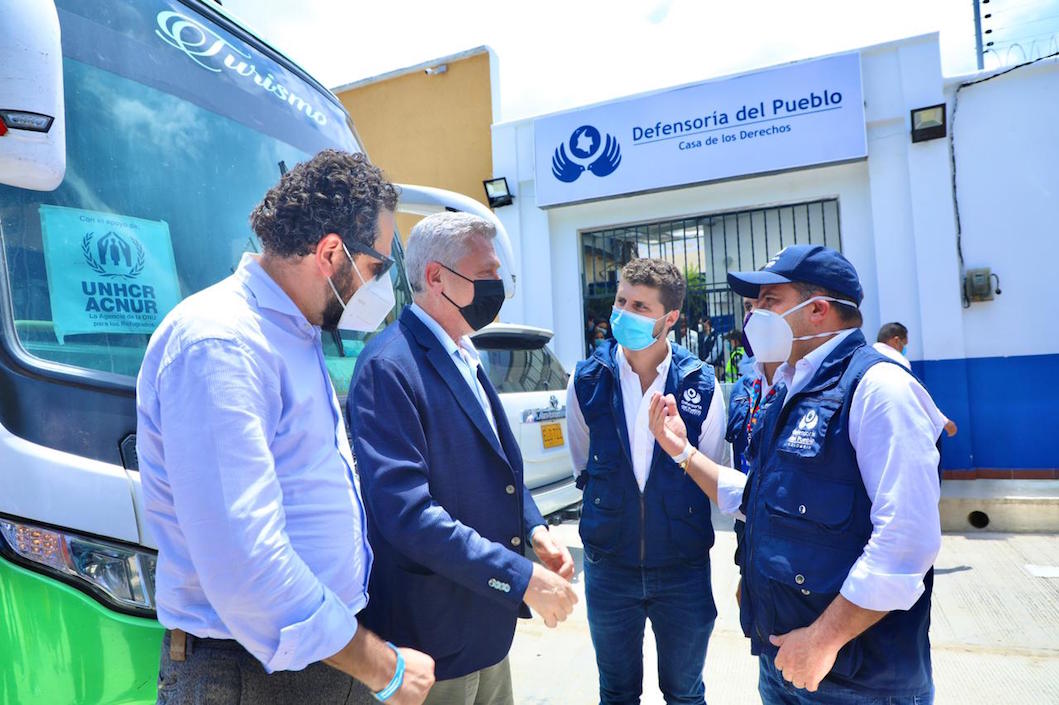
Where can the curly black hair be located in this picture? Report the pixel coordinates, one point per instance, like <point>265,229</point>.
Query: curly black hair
<point>657,274</point>
<point>334,192</point>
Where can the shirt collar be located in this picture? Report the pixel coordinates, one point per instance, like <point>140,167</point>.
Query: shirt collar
<point>444,338</point>
<point>663,367</point>
<point>265,290</point>
<point>809,364</point>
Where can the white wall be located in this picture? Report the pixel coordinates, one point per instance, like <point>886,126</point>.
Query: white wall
<point>1007,164</point>
<point>896,210</point>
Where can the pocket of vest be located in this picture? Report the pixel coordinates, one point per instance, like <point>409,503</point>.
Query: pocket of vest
<point>810,505</point>
<point>803,581</point>
<point>689,520</point>
<point>601,514</point>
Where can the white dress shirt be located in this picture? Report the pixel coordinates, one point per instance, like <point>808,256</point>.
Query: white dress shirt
<point>466,357</point>
<point>893,429</point>
<point>637,404</point>
<point>894,355</point>
<point>247,476</point>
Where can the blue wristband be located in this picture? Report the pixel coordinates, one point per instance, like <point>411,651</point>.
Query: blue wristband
<point>397,680</point>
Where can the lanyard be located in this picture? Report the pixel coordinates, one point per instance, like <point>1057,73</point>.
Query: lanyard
<point>757,404</point>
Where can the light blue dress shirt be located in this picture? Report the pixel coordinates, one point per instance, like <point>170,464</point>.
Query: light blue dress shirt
<point>247,476</point>
<point>466,357</point>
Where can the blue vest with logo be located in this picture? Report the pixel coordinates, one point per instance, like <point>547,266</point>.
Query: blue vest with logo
<point>808,520</point>
<point>669,522</point>
<point>739,400</point>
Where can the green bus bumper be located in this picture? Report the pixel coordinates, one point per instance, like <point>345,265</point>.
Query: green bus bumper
<point>58,646</point>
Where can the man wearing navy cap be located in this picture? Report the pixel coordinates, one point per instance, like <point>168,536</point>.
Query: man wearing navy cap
<point>841,499</point>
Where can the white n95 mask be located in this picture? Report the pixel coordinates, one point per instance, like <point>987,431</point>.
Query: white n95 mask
<point>771,336</point>
<point>367,308</point>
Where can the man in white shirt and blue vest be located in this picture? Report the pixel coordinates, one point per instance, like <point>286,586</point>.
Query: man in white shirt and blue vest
<point>841,499</point>
<point>645,526</point>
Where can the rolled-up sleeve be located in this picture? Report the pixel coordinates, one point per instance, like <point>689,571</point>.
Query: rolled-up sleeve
<point>730,486</point>
<point>893,432</point>
<point>219,409</point>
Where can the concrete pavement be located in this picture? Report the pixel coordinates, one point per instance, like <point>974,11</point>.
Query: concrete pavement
<point>995,630</point>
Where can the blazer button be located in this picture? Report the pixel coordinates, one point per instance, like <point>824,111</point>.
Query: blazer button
<point>596,500</point>
<point>805,592</point>
<point>516,541</point>
<point>799,579</point>
<point>510,489</point>
<point>801,509</point>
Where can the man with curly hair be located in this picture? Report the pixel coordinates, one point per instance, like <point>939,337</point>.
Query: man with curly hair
<point>263,559</point>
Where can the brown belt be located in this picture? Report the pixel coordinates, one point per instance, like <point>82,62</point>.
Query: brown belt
<point>179,645</point>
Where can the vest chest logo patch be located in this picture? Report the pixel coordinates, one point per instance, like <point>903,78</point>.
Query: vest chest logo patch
<point>691,402</point>
<point>804,432</point>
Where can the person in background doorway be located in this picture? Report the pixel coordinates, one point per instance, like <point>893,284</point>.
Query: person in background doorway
<point>605,327</point>
<point>590,333</point>
<point>711,347</point>
<point>746,365</point>
<point>892,341</point>
<point>735,357</point>
<point>600,339</point>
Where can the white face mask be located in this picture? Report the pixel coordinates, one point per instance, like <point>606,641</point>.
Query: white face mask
<point>771,337</point>
<point>368,306</point>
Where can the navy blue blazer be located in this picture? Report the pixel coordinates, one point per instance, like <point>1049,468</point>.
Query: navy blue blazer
<point>448,512</point>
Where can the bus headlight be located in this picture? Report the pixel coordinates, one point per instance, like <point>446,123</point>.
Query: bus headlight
<point>118,574</point>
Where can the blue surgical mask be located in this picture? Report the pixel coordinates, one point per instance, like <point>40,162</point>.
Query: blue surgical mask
<point>633,331</point>
<point>904,351</point>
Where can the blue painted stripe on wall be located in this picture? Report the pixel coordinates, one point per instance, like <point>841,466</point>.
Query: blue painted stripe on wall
<point>1006,408</point>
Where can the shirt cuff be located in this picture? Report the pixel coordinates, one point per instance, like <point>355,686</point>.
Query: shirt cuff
<point>322,635</point>
<point>881,592</point>
<point>730,486</point>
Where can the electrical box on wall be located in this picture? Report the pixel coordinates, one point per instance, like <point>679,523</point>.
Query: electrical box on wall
<point>978,285</point>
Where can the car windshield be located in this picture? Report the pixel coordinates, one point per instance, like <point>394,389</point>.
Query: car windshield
<point>520,364</point>
<point>176,128</point>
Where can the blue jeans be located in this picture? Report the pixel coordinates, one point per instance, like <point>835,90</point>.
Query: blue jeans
<point>776,691</point>
<point>679,602</point>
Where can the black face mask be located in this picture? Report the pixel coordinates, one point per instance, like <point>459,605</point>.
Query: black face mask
<point>488,298</point>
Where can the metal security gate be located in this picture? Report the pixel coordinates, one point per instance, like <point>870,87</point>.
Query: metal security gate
<point>705,248</point>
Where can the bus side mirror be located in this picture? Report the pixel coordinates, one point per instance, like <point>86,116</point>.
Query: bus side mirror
<point>32,120</point>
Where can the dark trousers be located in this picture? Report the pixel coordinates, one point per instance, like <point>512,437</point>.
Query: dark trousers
<point>217,672</point>
<point>775,690</point>
<point>679,602</point>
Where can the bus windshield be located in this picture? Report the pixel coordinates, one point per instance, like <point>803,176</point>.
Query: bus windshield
<point>176,128</point>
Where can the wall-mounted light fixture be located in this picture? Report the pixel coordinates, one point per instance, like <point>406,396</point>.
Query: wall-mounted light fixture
<point>436,70</point>
<point>928,123</point>
<point>497,192</point>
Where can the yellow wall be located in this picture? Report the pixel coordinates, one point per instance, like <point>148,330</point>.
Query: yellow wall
<point>429,130</point>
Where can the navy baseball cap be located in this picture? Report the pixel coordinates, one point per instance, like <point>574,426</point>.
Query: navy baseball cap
<point>809,264</point>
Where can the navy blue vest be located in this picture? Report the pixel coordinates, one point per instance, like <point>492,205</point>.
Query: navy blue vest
<point>808,520</point>
<point>739,399</point>
<point>669,522</point>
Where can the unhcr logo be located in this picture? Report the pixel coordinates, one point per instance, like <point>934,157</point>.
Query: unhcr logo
<point>112,256</point>
<point>588,150</point>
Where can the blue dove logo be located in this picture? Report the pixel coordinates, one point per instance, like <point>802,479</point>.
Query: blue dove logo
<point>588,150</point>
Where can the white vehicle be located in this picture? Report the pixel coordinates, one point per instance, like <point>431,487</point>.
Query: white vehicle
<point>135,138</point>
<point>532,386</point>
